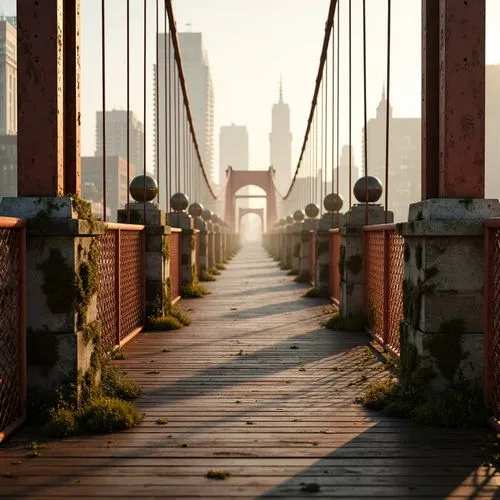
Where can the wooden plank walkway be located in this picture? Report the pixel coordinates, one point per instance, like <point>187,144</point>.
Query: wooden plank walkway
<point>256,387</point>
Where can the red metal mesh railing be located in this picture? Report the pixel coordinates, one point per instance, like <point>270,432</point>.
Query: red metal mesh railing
<point>384,275</point>
<point>395,275</point>
<point>132,301</point>
<point>334,265</point>
<point>312,256</point>
<point>120,296</point>
<point>12,325</point>
<point>374,242</point>
<point>492,314</point>
<point>108,292</point>
<point>175,264</point>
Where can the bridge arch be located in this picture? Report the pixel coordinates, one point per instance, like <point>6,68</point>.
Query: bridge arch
<point>237,179</point>
<point>257,211</point>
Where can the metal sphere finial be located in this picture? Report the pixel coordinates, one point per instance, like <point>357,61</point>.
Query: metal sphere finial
<point>282,222</point>
<point>368,189</point>
<point>312,210</point>
<point>333,202</point>
<point>179,202</point>
<point>299,215</point>
<point>195,210</point>
<point>143,188</point>
<point>206,215</point>
<point>289,219</point>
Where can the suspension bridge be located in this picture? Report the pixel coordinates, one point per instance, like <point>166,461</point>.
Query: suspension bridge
<point>255,398</point>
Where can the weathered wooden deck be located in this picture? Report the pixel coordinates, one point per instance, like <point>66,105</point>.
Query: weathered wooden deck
<point>255,387</point>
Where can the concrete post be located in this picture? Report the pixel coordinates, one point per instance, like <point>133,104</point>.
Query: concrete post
<point>305,257</point>
<point>203,246</point>
<point>295,238</point>
<point>218,244</point>
<point>210,245</point>
<point>185,222</point>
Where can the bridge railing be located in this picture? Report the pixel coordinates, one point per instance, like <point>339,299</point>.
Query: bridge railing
<point>312,259</point>
<point>383,290</point>
<point>175,263</point>
<point>12,325</point>
<point>121,290</point>
<point>334,266</point>
<point>492,318</point>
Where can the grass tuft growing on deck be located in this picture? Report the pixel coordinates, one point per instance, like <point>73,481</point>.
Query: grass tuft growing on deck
<point>220,266</point>
<point>193,291</point>
<point>349,323</point>
<point>117,385</point>
<point>206,276</point>
<point>313,293</point>
<point>458,406</point>
<point>213,270</point>
<point>218,475</point>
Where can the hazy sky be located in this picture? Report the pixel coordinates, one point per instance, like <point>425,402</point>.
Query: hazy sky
<point>250,43</point>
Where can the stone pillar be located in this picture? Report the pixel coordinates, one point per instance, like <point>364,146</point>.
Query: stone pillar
<point>442,333</point>
<point>62,250</point>
<point>62,261</point>
<point>157,271</point>
<point>184,221</point>
<point>298,217</point>
<point>210,246</point>
<point>351,262</point>
<point>305,257</point>
<point>217,244</point>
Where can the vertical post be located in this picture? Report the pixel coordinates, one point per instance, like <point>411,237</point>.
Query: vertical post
<point>430,99</point>
<point>71,50</point>
<point>41,95</point>
<point>386,287</point>
<point>117,283</point>
<point>22,320</point>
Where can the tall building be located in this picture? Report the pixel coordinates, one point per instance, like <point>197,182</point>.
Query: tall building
<point>116,184</point>
<point>280,140</point>
<point>116,136</point>
<point>233,149</point>
<point>404,158</point>
<point>201,101</point>
<point>492,132</point>
<point>8,165</point>
<point>8,76</point>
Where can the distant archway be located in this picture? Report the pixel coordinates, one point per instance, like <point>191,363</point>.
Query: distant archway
<point>236,179</point>
<point>256,211</point>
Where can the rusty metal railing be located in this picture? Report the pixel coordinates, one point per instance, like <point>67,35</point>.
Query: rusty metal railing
<point>312,257</point>
<point>12,325</point>
<point>334,266</point>
<point>121,291</point>
<point>492,320</point>
<point>175,263</point>
<point>383,283</point>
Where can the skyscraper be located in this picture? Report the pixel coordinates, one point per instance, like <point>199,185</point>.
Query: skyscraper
<point>201,100</point>
<point>116,137</point>
<point>404,158</point>
<point>233,149</point>
<point>8,76</point>
<point>280,140</point>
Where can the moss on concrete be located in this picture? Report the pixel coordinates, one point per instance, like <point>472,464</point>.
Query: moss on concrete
<point>86,281</point>
<point>354,264</point>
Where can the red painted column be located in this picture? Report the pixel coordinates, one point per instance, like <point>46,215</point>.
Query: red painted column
<point>462,98</point>
<point>48,97</point>
<point>72,155</point>
<point>430,99</point>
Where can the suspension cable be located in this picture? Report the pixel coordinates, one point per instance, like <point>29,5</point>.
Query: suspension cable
<point>388,110</point>
<point>350,104</point>
<point>338,107</point>
<point>144,153</point>
<point>182,81</point>
<point>365,109</point>
<point>128,111</point>
<point>158,100</point>
<point>324,52</point>
<point>103,63</point>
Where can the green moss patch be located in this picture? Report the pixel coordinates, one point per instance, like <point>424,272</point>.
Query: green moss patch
<point>214,271</point>
<point>117,385</point>
<point>313,293</point>
<point>163,323</point>
<point>220,266</point>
